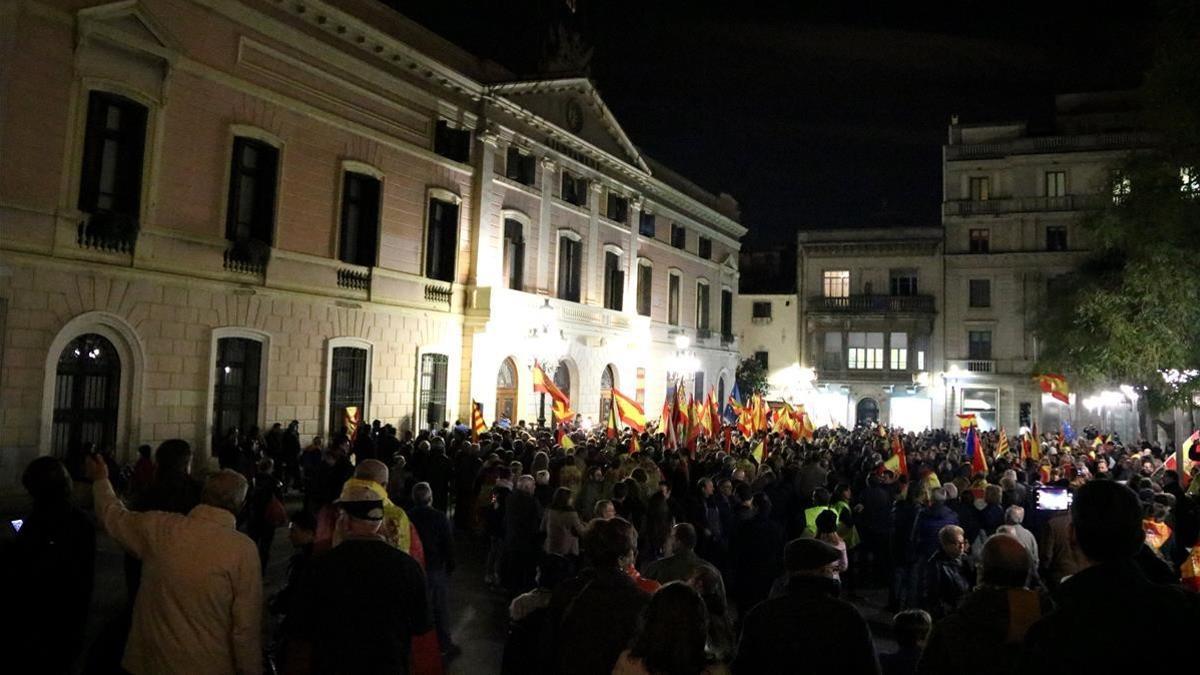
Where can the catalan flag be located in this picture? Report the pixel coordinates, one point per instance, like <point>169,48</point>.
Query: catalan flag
<point>1055,385</point>
<point>1002,442</point>
<point>629,411</point>
<point>477,424</point>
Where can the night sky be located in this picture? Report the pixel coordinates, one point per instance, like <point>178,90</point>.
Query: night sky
<point>814,115</point>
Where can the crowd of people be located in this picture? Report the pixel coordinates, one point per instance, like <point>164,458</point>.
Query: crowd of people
<point>742,555</point>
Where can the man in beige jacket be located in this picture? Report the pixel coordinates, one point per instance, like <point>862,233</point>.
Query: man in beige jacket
<point>199,608</point>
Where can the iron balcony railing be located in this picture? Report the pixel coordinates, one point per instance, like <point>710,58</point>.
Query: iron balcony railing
<point>970,207</point>
<point>873,304</point>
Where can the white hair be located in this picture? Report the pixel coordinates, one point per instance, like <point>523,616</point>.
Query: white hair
<point>1015,515</point>
<point>225,489</point>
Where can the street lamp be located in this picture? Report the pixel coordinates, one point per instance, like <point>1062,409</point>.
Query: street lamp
<point>547,346</point>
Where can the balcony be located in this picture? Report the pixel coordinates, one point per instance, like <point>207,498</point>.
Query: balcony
<point>968,207</point>
<point>1050,144</point>
<point>873,304</point>
<point>109,232</point>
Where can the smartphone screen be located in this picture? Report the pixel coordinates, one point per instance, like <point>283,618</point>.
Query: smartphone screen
<point>1054,499</point>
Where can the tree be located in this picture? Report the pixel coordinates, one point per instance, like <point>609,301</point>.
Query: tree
<point>1131,311</point>
<point>751,377</point>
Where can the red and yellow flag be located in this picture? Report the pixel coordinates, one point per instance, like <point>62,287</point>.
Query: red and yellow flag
<point>966,421</point>
<point>611,429</point>
<point>898,462</point>
<point>1002,443</point>
<point>477,424</point>
<point>1055,385</point>
<point>629,411</point>
<point>1035,444</point>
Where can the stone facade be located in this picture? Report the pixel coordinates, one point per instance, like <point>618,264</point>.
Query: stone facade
<point>330,90</point>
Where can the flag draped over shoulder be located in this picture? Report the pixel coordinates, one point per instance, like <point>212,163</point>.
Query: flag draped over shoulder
<point>974,452</point>
<point>1055,385</point>
<point>629,411</point>
<point>477,424</point>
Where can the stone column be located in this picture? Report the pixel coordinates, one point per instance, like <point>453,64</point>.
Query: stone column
<point>631,255</point>
<point>486,255</point>
<point>592,290</point>
<point>545,228</point>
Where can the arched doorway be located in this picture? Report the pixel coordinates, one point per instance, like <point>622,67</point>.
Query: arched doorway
<point>607,378</point>
<point>87,390</point>
<point>866,412</point>
<point>506,390</point>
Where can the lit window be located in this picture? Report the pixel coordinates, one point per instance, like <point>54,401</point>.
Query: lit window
<point>837,283</point>
<point>1056,183</point>
<point>899,352</point>
<point>864,351</point>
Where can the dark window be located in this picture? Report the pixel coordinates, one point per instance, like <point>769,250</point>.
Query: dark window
<point>111,179</point>
<point>347,385</point>
<point>360,219</point>
<point>705,248</point>
<point>678,236</point>
<point>760,310</point>
<point>570,260</point>
<point>726,313</point>
<point>646,224</point>
<point>87,389</point>
<point>761,357</point>
<point>1056,238</point>
<point>441,240</point>
<point>832,357</point>
<point>703,306</point>
<point>452,143</point>
<point>673,299</point>
<point>979,241</point>
<point>904,282</point>
<point>980,294</point>
<point>981,189</point>
<point>645,289</point>
<point>614,281</point>
<point>235,395</point>
<point>1025,414</point>
<point>574,189</point>
<point>514,254</point>
<point>432,404</point>
<point>519,166</point>
<point>252,177</point>
<point>698,382</point>
<point>979,345</point>
<point>618,208</point>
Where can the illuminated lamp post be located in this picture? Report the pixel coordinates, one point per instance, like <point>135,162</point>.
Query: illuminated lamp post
<point>547,347</point>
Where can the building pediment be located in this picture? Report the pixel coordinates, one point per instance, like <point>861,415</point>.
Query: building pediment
<point>129,25</point>
<point>573,105</point>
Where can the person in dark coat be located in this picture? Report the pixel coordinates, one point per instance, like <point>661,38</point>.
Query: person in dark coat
<point>903,556</point>
<point>437,473</point>
<point>434,530</point>
<point>912,627</point>
<point>809,624</point>
<point>593,616</point>
<point>948,575</point>
<point>930,522</point>
<point>756,548</point>
<point>1111,591</point>
<point>984,634</point>
<point>49,572</point>
<point>522,537</point>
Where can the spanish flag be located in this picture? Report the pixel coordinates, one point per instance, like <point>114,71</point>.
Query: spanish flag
<point>966,422</point>
<point>806,424</point>
<point>975,453</point>
<point>629,411</point>
<point>634,446</point>
<point>1035,444</point>
<point>477,424</point>
<point>610,428</point>
<point>543,384</point>
<point>759,453</point>
<point>566,442</point>
<point>898,462</point>
<point>1055,385</point>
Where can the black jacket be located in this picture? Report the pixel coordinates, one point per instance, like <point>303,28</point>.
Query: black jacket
<point>808,625</point>
<point>1119,598</point>
<point>945,582</point>
<point>434,529</point>
<point>984,634</point>
<point>592,618</point>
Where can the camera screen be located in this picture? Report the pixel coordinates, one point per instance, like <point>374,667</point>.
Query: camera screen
<point>16,524</point>
<point>1053,499</point>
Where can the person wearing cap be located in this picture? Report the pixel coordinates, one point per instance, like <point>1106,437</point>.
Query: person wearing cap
<point>809,624</point>
<point>362,602</point>
<point>1112,592</point>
